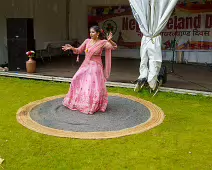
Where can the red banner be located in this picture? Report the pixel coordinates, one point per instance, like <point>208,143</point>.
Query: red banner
<point>190,25</point>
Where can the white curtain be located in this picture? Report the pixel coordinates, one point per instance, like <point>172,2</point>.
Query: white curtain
<point>152,16</point>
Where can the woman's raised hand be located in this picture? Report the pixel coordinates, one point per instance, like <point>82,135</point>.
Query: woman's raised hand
<point>67,47</point>
<point>109,36</point>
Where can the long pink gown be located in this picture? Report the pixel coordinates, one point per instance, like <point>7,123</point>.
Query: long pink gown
<point>88,93</point>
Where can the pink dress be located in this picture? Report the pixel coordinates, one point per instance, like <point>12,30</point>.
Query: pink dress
<point>88,93</point>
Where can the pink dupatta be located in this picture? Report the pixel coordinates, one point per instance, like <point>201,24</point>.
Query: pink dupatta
<point>91,51</point>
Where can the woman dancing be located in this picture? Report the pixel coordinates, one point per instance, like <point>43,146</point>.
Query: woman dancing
<point>88,93</point>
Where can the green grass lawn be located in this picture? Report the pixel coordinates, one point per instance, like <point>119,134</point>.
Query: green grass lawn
<point>182,141</point>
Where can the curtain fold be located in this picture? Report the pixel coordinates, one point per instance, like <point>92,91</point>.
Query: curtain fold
<point>152,16</point>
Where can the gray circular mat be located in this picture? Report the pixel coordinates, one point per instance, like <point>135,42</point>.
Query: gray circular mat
<point>122,113</point>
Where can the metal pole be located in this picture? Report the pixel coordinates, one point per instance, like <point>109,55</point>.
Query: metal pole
<point>67,19</point>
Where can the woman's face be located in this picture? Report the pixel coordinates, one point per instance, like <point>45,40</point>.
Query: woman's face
<point>93,34</point>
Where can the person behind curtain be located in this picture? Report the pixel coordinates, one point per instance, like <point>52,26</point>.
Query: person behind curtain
<point>88,93</point>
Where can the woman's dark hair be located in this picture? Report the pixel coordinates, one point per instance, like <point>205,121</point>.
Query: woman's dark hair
<point>99,30</point>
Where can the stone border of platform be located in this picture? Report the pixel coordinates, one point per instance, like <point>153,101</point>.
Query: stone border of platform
<point>156,118</point>
<point>109,84</point>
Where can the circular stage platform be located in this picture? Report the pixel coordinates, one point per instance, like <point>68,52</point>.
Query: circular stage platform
<point>125,115</point>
